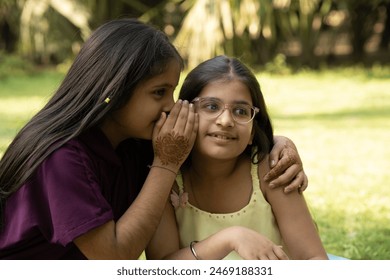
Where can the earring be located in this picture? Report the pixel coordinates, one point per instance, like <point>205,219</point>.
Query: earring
<point>107,100</point>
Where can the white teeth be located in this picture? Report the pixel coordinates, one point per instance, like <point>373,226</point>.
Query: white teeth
<point>222,137</point>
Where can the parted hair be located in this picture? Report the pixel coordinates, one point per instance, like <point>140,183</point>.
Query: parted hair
<point>117,56</point>
<point>229,68</point>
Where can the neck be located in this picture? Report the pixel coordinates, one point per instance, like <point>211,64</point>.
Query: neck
<point>213,184</point>
<point>213,169</point>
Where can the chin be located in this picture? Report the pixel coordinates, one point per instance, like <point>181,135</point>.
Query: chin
<point>147,137</point>
<point>144,136</point>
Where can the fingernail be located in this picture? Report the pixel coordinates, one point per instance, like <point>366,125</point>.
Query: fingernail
<point>272,186</point>
<point>272,162</point>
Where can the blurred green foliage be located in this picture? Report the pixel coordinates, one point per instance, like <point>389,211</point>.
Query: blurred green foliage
<point>309,33</point>
<point>14,65</point>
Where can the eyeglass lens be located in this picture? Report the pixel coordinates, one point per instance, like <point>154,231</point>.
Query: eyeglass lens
<point>213,108</point>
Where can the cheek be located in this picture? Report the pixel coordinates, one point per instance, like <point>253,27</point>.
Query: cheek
<point>126,115</point>
<point>201,133</point>
<point>142,112</point>
<point>203,127</point>
<point>129,117</point>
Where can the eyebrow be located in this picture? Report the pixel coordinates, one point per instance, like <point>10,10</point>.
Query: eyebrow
<point>234,102</point>
<point>164,85</point>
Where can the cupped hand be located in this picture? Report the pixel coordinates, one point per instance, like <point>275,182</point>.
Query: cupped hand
<point>174,135</point>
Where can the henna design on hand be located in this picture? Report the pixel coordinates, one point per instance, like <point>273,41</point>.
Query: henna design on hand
<point>171,148</point>
<point>289,158</point>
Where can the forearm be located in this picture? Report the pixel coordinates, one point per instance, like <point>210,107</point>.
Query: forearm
<point>128,237</point>
<point>137,226</point>
<point>215,247</point>
<point>247,243</point>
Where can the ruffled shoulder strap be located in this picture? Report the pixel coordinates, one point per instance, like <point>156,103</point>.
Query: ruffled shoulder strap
<point>179,181</point>
<point>255,177</point>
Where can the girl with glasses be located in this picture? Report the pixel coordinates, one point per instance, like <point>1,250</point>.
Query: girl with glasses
<point>221,207</point>
<point>75,181</point>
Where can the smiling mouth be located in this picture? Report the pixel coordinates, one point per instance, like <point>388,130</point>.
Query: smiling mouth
<point>223,137</point>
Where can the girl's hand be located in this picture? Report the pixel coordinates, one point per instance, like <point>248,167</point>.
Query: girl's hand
<point>286,166</point>
<point>251,245</point>
<point>174,136</point>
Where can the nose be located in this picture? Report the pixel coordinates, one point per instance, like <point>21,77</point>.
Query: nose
<point>226,118</point>
<point>169,104</point>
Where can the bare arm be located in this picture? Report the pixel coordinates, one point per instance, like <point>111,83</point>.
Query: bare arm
<point>166,238</point>
<point>128,237</point>
<point>286,166</point>
<point>249,244</point>
<point>295,222</point>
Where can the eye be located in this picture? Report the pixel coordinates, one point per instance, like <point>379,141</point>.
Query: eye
<point>160,92</point>
<point>211,106</point>
<point>241,110</point>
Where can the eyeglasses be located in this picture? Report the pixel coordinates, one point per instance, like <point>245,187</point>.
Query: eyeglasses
<point>212,108</point>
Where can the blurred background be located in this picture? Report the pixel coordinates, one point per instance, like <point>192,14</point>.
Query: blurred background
<point>324,68</point>
<point>298,32</point>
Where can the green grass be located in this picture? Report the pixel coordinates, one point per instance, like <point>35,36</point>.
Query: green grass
<point>340,122</point>
<point>20,98</point>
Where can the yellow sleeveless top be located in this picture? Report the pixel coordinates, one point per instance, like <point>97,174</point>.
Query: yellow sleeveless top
<point>196,224</point>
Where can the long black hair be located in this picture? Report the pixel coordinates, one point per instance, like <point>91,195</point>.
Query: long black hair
<point>228,68</point>
<point>116,57</point>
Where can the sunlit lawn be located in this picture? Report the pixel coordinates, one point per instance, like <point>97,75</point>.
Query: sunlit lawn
<point>340,122</point>
<point>341,125</point>
<point>20,97</point>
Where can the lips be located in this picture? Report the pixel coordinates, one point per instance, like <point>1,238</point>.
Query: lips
<point>222,136</point>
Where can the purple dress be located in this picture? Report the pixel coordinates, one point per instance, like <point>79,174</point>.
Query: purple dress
<point>82,185</point>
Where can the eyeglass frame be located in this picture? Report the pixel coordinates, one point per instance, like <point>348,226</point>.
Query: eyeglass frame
<point>254,108</point>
